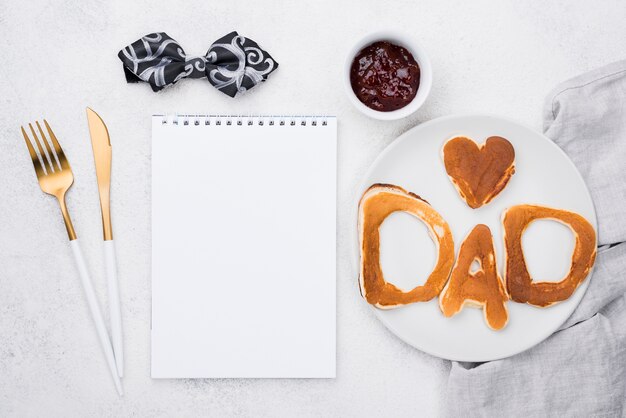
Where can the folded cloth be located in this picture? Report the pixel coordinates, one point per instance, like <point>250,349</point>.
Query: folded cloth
<point>580,371</point>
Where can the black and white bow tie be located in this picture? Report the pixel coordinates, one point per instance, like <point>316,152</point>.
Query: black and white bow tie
<point>233,64</point>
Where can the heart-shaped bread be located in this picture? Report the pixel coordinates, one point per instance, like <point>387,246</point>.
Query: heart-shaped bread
<point>479,173</point>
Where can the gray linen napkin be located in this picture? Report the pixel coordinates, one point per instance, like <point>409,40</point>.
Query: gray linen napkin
<point>580,371</point>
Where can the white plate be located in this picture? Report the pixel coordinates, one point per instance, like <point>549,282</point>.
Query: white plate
<point>544,175</point>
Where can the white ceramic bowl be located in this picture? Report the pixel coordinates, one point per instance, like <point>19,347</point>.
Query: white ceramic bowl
<point>426,75</point>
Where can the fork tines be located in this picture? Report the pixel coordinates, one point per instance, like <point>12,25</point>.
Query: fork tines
<point>47,161</point>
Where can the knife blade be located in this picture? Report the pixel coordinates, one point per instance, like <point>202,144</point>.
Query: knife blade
<point>101,144</point>
<point>102,154</point>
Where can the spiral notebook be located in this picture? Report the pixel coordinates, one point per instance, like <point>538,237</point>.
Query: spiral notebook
<point>243,247</point>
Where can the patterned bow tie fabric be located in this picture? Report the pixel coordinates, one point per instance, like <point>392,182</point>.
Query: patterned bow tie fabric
<point>233,64</point>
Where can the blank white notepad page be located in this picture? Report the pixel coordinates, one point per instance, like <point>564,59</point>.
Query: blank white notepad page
<point>243,247</point>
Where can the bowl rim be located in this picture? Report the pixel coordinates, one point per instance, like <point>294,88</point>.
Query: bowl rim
<point>398,38</point>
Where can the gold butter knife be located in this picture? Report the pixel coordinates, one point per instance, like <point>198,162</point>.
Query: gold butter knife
<point>101,145</point>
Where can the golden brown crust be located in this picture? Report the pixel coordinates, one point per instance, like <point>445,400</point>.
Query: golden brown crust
<point>479,173</point>
<point>481,288</point>
<point>378,202</point>
<point>519,284</point>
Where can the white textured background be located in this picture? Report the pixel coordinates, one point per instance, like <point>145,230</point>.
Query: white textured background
<point>498,57</point>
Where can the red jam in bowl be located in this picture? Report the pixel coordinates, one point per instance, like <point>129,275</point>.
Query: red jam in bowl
<point>384,76</point>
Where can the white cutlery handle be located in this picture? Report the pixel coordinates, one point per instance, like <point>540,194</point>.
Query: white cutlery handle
<point>96,314</point>
<point>115,313</point>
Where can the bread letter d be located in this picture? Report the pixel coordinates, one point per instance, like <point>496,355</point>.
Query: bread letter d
<point>377,203</point>
<point>519,284</point>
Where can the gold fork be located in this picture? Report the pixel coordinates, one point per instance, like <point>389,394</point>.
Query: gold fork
<point>55,178</point>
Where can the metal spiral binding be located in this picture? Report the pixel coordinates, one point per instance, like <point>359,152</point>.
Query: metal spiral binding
<point>240,120</point>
